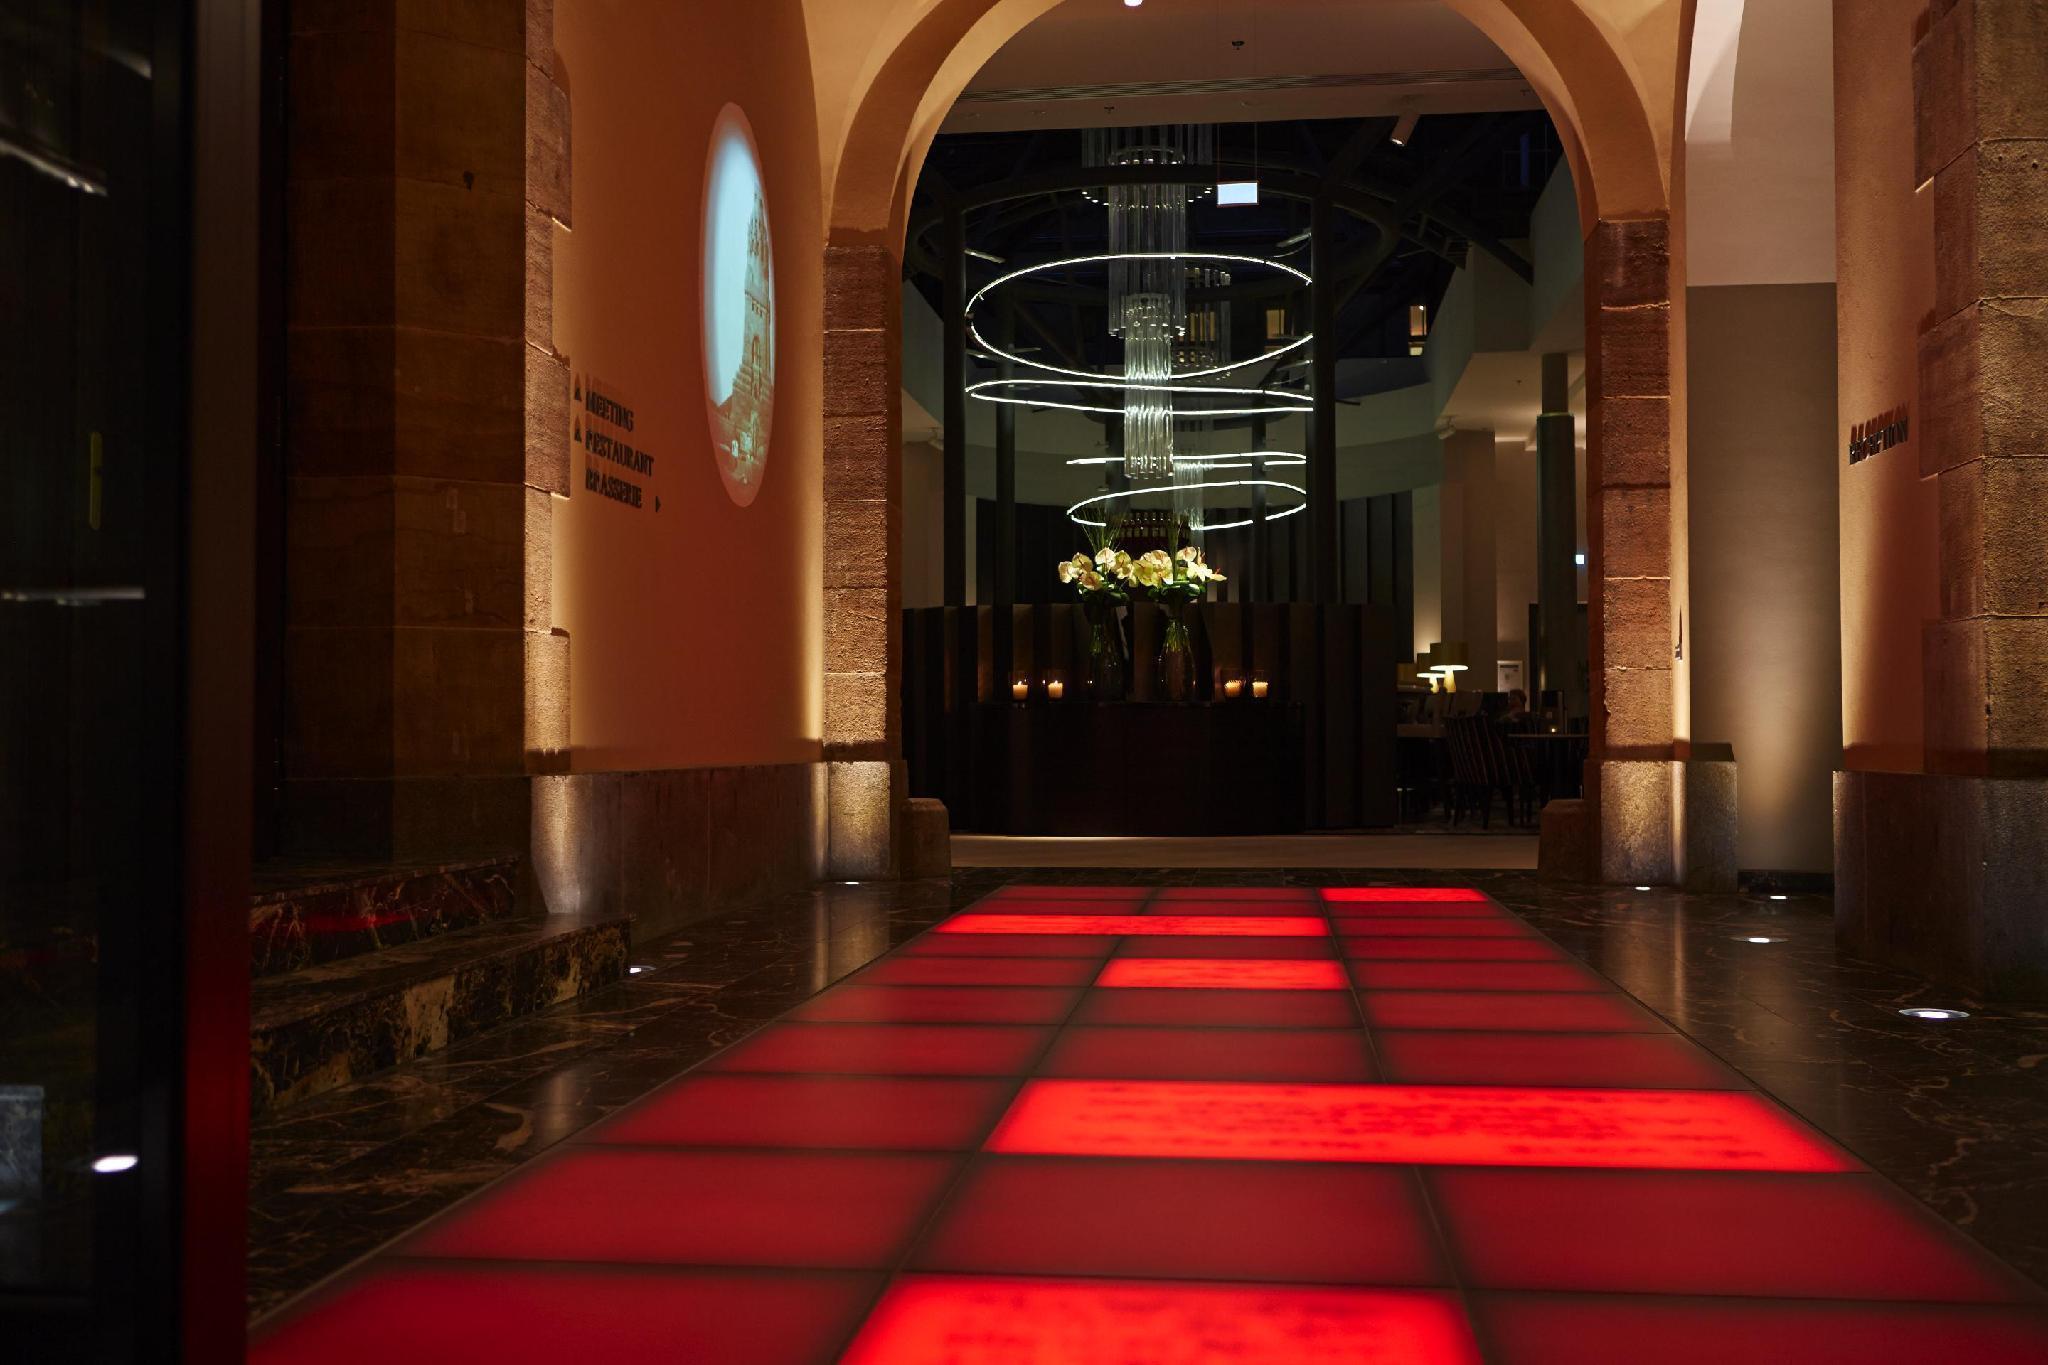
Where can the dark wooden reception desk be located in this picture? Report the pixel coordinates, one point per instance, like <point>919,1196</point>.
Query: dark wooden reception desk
<point>1139,768</point>
<point>1073,764</point>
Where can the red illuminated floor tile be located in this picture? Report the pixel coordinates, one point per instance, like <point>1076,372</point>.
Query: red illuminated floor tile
<point>1506,1011</point>
<point>1272,926</point>
<point>897,970</point>
<point>1695,1232</point>
<point>1355,895</point>
<point>939,1005</point>
<point>700,1208</point>
<point>1531,1330</point>
<point>1028,891</point>
<point>974,1320</point>
<point>519,1315</point>
<point>890,1113</point>
<point>1454,949</point>
<point>887,1049</point>
<point>1288,1221</point>
<point>1007,945</point>
<point>1234,973</point>
<point>1017,905</point>
<point>1146,945</point>
<point>1618,1061</point>
<point>1476,976</point>
<point>1296,895</point>
<point>1434,926</point>
<point>1219,1009</point>
<point>1210,1054</point>
<point>1423,1125</point>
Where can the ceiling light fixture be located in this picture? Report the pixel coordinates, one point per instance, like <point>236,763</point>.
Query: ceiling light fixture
<point>1934,1015</point>
<point>114,1163</point>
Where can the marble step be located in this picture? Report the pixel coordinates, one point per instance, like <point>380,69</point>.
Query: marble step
<point>302,914</point>
<point>334,1022</point>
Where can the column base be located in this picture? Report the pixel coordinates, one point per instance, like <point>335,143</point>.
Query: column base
<point>1945,876</point>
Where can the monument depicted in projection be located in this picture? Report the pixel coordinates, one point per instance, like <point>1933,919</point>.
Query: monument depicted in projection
<point>739,308</point>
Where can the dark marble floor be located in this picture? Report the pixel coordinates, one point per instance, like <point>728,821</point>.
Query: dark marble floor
<point>1957,1112</point>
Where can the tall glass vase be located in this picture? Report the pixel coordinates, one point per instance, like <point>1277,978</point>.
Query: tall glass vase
<point>1106,670</point>
<point>1176,655</point>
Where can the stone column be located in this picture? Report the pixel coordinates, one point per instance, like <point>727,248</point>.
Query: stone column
<point>1557,535</point>
<point>863,586</point>
<point>1982,123</point>
<point>1946,872</point>
<point>1633,502</point>
<point>413,352</point>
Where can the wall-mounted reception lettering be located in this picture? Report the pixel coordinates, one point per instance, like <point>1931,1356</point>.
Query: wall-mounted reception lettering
<point>1881,433</point>
<point>739,307</point>
<point>601,424</point>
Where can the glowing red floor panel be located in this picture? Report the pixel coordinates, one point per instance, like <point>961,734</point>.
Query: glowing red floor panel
<point>889,1113</point>
<point>1219,1008</point>
<point>517,1315</point>
<point>1615,1061</point>
<point>1305,1222</point>
<point>1571,1330</point>
<point>968,1320</point>
<point>863,1004</point>
<point>1210,1054</point>
<point>1552,1012</point>
<point>1207,926</point>
<point>678,1207</point>
<point>1697,1232</point>
<point>888,1049</point>
<point>1475,976</point>
<point>1080,1124</point>
<point>1234,973</point>
<point>1419,1125</point>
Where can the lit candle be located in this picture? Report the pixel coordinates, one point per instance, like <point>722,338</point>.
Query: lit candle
<point>1233,687</point>
<point>1055,688</point>
<point>1259,686</point>
<point>1020,689</point>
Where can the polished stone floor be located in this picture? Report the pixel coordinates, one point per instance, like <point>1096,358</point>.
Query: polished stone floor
<point>1954,1112</point>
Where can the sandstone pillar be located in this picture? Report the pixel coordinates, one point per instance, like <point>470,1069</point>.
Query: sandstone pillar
<point>419,374</point>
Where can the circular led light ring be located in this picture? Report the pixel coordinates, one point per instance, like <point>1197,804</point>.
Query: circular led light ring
<point>1230,460</point>
<point>1073,513</point>
<point>993,391</point>
<point>1001,280</point>
<point>1026,361</point>
<point>1179,415</point>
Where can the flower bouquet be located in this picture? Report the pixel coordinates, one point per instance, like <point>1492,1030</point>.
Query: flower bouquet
<point>1175,581</point>
<point>1103,583</point>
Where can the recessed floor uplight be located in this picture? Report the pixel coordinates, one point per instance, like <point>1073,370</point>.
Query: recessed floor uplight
<point>635,971</point>
<point>849,883</point>
<point>1934,1015</point>
<point>1761,938</point>
<point>114,1163</point>
<point>1642,888</point>
<point>1779,896</point>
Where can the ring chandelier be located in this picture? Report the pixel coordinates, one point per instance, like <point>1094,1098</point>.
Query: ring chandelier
<point>1074,513</point>
<point>988,391</point>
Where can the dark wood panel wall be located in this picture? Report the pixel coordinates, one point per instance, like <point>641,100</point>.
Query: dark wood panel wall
<point>1336,662</point>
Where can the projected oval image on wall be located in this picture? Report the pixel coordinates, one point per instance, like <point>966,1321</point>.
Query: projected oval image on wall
<point>739,307</point>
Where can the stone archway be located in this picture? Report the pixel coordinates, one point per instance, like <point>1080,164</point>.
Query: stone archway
<point>1611,73</point>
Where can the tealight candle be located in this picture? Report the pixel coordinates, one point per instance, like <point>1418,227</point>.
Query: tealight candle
<point>1055,688</point>
<point>1259,686</point>
<point>1233,687</point>
<point>1020,690</point>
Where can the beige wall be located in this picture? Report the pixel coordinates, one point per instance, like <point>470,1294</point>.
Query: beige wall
<point>1890,517</point>
<point>1765,569</point>
<point>695,630</point>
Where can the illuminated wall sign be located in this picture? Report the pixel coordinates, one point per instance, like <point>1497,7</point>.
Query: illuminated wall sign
<point>739,307</point>
<point>1882,433</point>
